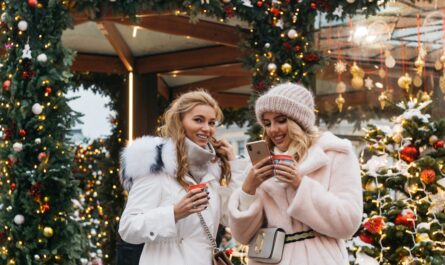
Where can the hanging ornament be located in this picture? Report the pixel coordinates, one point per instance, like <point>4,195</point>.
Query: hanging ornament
<point>418,65</point>
<point>357,76</point>
<point>369,84</point>
<point>38,141</point>
<point>433,139</point>
<point>44,208</point>
<point>41,156</point>
<point>48,231</point>
<point>17,147</point>
<point>279,24</point>
<point>438,65</point>
<point>428,175</point>
<point>438,144</point>
<point>371,186</point>
<point>19,219</point>
<point>390,62</point>
<point>13,186</point>
<point>36,257</point>
<point>409,153</point>
<point>417,81</point>
<point>340,101</point>
<point>341,87</point>
<point>397,138</point>
<point>383,99</point>
<point>405,82</point>
<point>350,1</point>
<point>314,6</point>
<point>37,109</point>
<point>22,132</point>
<point>22,25</point>
<point>275,11</point>
<point>374,224</point>
<point>267,45</point>
<point>6,85</point>
<point>340,67</point>
<point>42,58</point>
<point>259,4</point>
<point>205,2</point>
<point>286,68</point>
<point>271,67</point>
<point>422,237</point>
<point>48,90</point>
<point>365,237</point>
<point>32,3</point>
<point>26,53</point>
<point>407,218</point>
<point>382,73</point>
<point>225,1</point>
<point>425,97</point>
<point>292,34</point>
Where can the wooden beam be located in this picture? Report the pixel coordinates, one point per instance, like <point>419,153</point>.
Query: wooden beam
<point>117,41</point>
<point>214,84</point>
<point>181,26</point>
<point>163,89</point>
<point>229,100</point>
<point>98,64</point>
<point>235,69</point>
<point>188,59</point>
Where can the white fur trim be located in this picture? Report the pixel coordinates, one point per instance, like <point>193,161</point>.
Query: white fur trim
<point>141,159</point>
<point>330,142</point>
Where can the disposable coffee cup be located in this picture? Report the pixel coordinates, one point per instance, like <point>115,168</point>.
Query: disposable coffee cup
<point>277,159</point>
<point>198,186</point>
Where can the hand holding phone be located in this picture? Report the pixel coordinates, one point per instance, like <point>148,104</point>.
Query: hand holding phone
<point>257,151</point>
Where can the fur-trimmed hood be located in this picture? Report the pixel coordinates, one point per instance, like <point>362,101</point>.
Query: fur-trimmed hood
<point>147,155</point>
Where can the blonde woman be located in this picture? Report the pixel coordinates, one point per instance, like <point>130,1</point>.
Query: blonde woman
<point>158,171</point>
<point>316,199</point>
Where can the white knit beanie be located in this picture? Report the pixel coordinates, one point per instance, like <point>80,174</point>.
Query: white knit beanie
<point>292,100</point>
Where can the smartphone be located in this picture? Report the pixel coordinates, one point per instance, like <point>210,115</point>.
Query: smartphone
<point>257,150</point>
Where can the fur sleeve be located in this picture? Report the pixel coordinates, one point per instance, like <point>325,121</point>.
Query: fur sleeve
<point>147,155</point>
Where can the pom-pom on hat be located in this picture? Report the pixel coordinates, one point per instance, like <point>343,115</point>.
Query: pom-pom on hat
<point>290,99</point>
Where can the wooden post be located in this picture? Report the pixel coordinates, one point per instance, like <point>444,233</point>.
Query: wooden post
<point>145,108</point>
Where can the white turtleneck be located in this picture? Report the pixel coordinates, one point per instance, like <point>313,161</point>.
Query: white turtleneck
<point>198,159</point>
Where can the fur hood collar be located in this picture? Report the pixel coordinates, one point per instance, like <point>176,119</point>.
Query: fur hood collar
<point>147,155</point>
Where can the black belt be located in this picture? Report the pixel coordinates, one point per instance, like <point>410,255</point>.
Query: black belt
<point>299,236</point>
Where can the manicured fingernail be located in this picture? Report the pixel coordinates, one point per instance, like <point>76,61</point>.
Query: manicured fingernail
<point>208,197</point>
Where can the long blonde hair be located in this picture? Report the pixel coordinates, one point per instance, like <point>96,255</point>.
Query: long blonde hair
<point>301,140</point>
<point>174,129</point>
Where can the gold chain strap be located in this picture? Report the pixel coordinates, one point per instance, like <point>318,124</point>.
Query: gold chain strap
<point>207,231</point>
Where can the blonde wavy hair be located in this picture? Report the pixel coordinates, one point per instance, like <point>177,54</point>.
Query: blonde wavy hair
<point>174,129</point>
<point>301,140</point>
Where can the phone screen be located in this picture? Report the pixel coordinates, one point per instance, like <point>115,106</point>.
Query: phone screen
<point>257,151</point>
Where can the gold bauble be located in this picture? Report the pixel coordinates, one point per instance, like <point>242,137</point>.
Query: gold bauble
<point>422,237</point>
<point>433,139</point>
<point>442,58</point>
<point>48,231</point>
<point>268,55</point>
<point>357,82</point>
<point>371,186</point>
<point>397,138</point>
<point>405,81</point>
<point>442,84</point>
<point>341,87</point>
<point>382,99</point>
<point>340,101</point>
<point>11,262</point>
<point>382,73</point>
<point>417,81</point>
<point>357,71</point>
<point>425,97</point>
<point>286,68</point>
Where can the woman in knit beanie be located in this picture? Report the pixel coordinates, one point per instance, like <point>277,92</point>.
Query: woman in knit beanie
<point>316,198</point>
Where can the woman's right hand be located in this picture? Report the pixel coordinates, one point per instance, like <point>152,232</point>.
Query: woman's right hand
<point>259,173</point>
<point>194,201</point>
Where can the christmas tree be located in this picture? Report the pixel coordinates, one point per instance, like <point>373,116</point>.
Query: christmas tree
<point>403,182</point>
<point>36,183</point>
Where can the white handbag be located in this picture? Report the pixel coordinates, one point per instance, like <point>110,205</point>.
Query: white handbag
<point>267,245</point>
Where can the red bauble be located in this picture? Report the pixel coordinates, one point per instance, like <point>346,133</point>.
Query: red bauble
<point>22,133</point>
<point>41,156</point>
<point>409,153</point>
<point>428,175</point>
<point>374,224</point>
<point>406,218</point>
<point>366,238</point>
<point>310,57</point>
<point>6,134</point>
<point>32,3</point>
<point>26,75</point>
<point>6,85</point>
<point>13,186</point>
<point>229,11</point>
<point>48,90</point>
<point>260,86</point>
<point>438,144</point>
<point>298,48</point>
<point>259,3</point>
<point>229,251</point>
<point>314,6</point>
<point>44,208</point>
<point>287,46</point>
<point>275,11</point>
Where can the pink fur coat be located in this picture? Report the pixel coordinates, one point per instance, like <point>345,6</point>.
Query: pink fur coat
<point>328,201</point>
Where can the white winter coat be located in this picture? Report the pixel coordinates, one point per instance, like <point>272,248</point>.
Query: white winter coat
<point>149,167</point>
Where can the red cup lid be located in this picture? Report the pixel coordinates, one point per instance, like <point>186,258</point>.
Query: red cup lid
<point>198,186</point>
<point>282,157</point>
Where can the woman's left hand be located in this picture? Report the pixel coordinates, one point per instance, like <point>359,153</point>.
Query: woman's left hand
<point>225,148</point>
<point>288,173</point>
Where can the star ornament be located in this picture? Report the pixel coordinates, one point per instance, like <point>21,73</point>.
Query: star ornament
<point>369,84</point>
<point>340,67</point>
